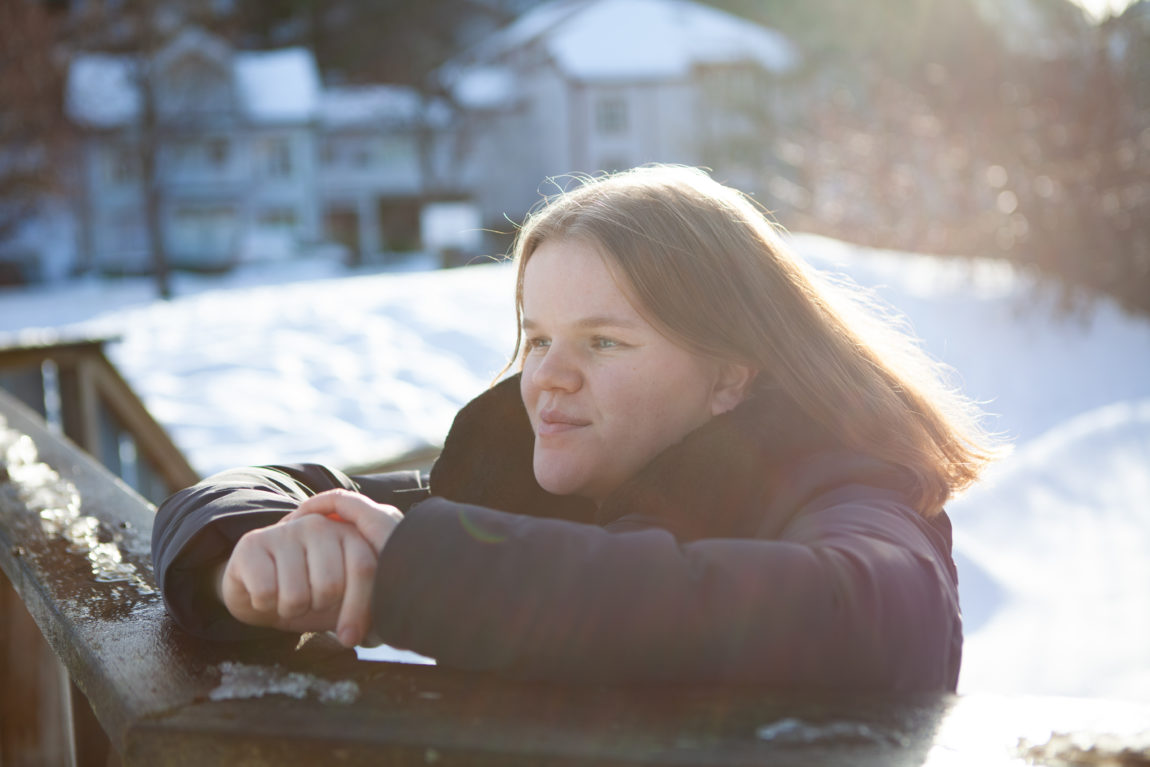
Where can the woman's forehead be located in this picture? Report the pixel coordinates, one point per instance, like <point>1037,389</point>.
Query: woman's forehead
<point>572,277</point>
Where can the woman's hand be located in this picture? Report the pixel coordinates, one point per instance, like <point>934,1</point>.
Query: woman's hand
<point>314,570</point>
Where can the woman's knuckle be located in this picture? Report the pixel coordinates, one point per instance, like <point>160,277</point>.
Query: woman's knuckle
<point>327,593</point>
<point>361,564</point>
<point>261,595</point>
<point>309,523</point>
<point>294,604</point>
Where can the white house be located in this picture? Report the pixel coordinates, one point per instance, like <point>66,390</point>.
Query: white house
<point>372,180</point>
<point>591,85</point>
<point>255,160</point>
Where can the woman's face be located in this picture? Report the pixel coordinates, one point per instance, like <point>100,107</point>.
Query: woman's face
<point>605,391</point>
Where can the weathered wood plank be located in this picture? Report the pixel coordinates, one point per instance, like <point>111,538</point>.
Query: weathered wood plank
<point>34,720</point>
<point>104,632</point>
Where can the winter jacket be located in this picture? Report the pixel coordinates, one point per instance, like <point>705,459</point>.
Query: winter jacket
<point>758,550</point>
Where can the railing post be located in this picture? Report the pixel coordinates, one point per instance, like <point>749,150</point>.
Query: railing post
<point>35,720</point>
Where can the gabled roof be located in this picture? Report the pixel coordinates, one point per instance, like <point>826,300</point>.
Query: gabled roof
<point>275,86</point>
<point>271,86</point>
<point>101,90</point>
<point>638,39</point>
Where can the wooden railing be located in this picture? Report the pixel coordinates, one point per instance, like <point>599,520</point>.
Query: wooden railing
<point>74,543</point>
<point>80,393</point>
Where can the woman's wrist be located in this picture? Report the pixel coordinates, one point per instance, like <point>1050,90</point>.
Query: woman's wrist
<point>216,578</point>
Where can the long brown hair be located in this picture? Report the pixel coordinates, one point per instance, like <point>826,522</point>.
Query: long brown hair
<point>710,270</point>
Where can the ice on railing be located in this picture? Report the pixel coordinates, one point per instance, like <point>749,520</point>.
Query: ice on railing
<point>791,731</point>
<point>57,501</point>
<point>242,680</point>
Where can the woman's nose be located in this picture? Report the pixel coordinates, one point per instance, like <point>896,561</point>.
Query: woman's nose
<point>558,370</point>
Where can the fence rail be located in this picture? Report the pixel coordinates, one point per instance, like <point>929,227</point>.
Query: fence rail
<point>73,385</point>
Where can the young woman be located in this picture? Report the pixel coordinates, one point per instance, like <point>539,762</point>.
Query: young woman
<point>710,466</point>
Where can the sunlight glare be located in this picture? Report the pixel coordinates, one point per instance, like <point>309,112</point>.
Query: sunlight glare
<point>1098,10</point>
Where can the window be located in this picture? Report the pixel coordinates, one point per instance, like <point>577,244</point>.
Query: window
<point>217,151</point>
<point>194,84</point>
<point>279,218</point>
<point>277,159</point>
<point>352,152</point>
<point>396,149</point>
<point>181,155</point>
<point>127,231</point>
<point>611,115</point>
<point>362,153</point>
<point>123,165</point>
<point>202,230</point>
<point>741,87</point>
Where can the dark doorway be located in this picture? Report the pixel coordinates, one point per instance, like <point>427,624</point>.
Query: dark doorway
<point>342,225</point>
<point>399,224</point>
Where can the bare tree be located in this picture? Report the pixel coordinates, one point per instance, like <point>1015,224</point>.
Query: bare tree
<point>132,32</point>
<point>32,125</point>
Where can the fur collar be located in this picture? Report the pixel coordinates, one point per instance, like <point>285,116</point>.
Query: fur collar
<point>717,482</point>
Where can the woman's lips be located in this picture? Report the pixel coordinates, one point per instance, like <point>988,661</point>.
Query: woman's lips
<point>556,422</point>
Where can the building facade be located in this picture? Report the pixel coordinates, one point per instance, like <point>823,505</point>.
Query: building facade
<point>255,159</point>
<point>583,86</point>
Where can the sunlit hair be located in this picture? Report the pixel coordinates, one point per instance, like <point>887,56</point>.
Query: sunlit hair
<point>704,265</point>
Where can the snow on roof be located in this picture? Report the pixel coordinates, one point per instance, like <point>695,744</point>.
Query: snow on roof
<point>273,86</point>
<point>101,90</point>
<point>369,104</point>
<point>276,86</point>
<point>533,23</point>
<point>484,87</point>
<point>639,39</point>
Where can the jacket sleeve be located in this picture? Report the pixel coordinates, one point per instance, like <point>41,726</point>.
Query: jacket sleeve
<point>196,528</point>
<point>855,594</point>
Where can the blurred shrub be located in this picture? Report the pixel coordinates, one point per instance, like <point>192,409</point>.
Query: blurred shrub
<point>943,136</point>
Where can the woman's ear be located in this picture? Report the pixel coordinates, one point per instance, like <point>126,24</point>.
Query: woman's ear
<point>732,385</point>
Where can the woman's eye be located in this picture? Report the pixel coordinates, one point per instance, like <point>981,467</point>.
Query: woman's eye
<point>600,342</point>
<point>537,343</point>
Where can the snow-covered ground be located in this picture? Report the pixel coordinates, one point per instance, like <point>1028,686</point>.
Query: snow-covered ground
<point>305,361</point>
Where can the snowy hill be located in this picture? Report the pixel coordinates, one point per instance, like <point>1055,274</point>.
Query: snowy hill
<point>1054,562</point>
<point>311,363</point>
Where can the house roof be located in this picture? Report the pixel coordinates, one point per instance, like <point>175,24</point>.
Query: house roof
<point>101,90</point>
<point>639,39</point>
<point>270,86</point>
<point>281,85</point>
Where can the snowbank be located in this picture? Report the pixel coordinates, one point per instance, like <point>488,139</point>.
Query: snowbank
<point>1055,570</point>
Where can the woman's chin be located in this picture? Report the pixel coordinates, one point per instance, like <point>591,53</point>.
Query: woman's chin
<point>557,485</point>
<point>558,480</point>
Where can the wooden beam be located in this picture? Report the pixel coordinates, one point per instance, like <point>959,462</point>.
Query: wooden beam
<point>89,399</point>
<point>152,440</point>
<point>35,725</point>
<point>88,380</point>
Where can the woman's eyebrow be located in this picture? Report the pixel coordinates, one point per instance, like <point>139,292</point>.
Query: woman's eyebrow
<point>593,321</point>
<point>606,320</point>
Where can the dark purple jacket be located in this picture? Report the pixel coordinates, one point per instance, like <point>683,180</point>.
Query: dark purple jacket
<point>755,551</point>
